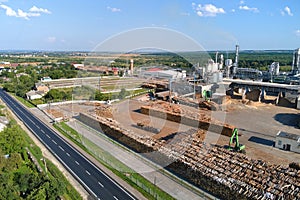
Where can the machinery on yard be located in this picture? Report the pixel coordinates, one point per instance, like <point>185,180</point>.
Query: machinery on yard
<point>234,139</point>
<point>206,95</point>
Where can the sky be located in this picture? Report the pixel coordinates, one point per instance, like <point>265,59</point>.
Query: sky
<point>80,25</point>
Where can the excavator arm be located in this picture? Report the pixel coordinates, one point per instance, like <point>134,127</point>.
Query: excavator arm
<point>235,139</point>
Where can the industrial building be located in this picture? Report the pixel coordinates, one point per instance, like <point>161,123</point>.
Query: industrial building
<point>274,69</point>
<point>288,141</point>
<point>296,62</point>
<point>163,74</point>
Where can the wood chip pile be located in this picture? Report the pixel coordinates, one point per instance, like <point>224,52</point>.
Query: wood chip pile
<point>104,111</point>
<point>100,109</point>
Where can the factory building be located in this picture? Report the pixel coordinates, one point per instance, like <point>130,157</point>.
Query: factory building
<point>274,68</point>
<point>163,74</point>
<point>288,141</point>
<point>296,62</point>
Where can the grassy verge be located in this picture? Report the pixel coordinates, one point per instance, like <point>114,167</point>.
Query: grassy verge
<point>54,176</point>
<point>70,192</point>
<point>147,188</point>
<point>23,101</point>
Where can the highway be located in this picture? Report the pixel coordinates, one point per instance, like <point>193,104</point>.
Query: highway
<point>95,181</point>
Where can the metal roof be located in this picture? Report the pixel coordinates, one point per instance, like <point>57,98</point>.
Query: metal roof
<point>288,135</point>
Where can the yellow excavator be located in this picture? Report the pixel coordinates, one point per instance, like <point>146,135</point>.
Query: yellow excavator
<point>234,139</point>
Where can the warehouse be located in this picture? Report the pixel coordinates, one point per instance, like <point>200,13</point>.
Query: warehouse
<point>288,141</point>
<point>164,74</point>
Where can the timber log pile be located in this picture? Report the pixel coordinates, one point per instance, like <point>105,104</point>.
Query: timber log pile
<point>175,113</point>
<point>226,174</point>
<point>209,105</point>
<point>231,175</point>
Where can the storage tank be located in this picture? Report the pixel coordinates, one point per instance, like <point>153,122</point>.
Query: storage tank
<point>228,62</point>
<point>220,76</point>
<point>215,77</point>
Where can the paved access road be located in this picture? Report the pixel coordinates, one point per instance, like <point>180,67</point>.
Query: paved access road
<point>96,182</point>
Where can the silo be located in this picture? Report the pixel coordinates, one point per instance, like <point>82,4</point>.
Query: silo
<point>228,62</point>
<point>215,77</point>
<point>220,76</point>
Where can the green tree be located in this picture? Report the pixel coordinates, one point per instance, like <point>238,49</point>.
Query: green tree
<point>9,87</point>
<point>122,94</point>
<point>54,94</point>
<point>101,96</point>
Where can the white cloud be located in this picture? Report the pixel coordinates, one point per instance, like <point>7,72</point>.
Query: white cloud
<point>232,10</point>
<point>51,39</point>
<point>26,15</point>
<point>248,8</point>
<point>242,2</point>
<point>39,10</point>
<point>297,32</point>
<point>20,13</point>
<point>288,11</point>
<point>8,11</point>
<point>114,9</point>
<point>207,10</point>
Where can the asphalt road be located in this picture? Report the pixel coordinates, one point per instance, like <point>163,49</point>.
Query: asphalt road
<point>96,182</point>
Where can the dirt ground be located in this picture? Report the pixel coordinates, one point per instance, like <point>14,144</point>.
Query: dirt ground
<point>257,122</point>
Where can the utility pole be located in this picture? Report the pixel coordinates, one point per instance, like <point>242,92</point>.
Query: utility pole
<point>99,83</point>
<point>170,85</point>
<point>194,85</point>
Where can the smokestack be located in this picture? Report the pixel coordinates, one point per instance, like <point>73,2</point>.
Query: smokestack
<point>221,61</point>
<point>131,66</point>
<point>236,55</point>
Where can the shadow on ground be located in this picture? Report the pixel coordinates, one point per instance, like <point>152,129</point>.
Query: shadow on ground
<point>288,119</point>
<point>261,141</point>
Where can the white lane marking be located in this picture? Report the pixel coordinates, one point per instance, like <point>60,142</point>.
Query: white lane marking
<point>43,131</point>
<point>61,148</point>
<point>38,127</point>
<point>115,198</point>
<point>68,154</point>
<point>76,162</point>
<point>47,135</point>
<point>100,184</point>
<point>54,142</point>
<point>87,172</point>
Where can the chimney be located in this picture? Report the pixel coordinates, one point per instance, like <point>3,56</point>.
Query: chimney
<point>236,55</point>
<point>131,66</point>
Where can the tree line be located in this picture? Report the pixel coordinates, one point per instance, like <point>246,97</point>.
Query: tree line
<point>19,175</point>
